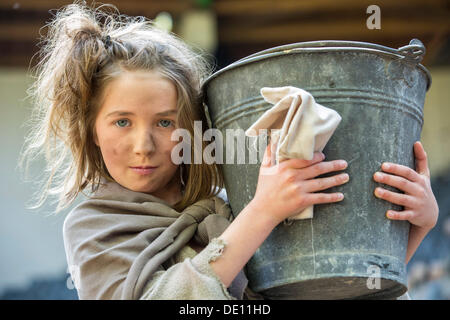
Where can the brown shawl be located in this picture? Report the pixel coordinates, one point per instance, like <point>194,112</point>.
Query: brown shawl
<point>118,238</point>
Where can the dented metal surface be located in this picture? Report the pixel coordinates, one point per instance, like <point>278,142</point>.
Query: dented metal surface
<point>379,92</point>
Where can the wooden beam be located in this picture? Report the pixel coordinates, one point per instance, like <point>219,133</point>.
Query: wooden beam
<point>435,45</point>
<point>269,7</point>
<point>128,7</point>
<point>22,32</point>
<point>18,53</point>
<point>258,31</point>
<point>237,7</point>
<point>345,29</point>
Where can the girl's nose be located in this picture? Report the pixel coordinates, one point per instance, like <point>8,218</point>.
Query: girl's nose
<point>144,143</point>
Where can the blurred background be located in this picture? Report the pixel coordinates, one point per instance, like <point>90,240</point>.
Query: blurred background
<point>32,258</point>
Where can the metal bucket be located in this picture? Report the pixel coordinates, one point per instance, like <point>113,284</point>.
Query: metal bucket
<point>349,249</point>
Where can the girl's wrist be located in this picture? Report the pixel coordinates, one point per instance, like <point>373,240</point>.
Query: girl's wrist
<point>261,213</point>
<point>421,229</point>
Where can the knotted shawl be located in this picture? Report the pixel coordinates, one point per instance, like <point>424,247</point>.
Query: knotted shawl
<point>117,239</point>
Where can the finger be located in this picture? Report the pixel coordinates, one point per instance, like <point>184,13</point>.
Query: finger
<point>321,168</point>
<point>402,171</point>
<point>397,182</point>
<point>395,198</point>
<point>297,163</point>
<point>421,159</point>
<point>318,198</point>
<point>399,215</point>
<point>325,183</point>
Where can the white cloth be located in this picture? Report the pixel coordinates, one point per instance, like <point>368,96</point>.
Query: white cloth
<point>302,127</point>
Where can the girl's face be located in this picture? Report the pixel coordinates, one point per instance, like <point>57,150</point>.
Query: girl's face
<point>133,129</point>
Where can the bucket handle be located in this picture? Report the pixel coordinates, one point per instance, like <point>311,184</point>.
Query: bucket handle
<point>207,116</point>
<point>413,52</point>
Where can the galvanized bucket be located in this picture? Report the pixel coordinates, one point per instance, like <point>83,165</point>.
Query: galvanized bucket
<point>349,249</point>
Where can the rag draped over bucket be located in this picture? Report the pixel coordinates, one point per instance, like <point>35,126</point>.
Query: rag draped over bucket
<point>122,244</point>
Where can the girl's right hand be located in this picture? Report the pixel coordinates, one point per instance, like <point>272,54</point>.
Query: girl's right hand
<point>286,189</point>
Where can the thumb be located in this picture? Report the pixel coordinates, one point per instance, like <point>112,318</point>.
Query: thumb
<point>421,159</point>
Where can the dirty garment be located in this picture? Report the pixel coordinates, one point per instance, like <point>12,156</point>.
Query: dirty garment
<point>122,244</point>
<point>298,127</point>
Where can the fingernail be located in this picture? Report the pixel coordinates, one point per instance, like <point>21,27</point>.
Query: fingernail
<point>386,165</point>
<point>378,192</point>
<point>340,196</point>
<point>343,163</point>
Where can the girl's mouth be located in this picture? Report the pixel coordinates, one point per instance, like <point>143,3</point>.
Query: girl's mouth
<point>143,170</point>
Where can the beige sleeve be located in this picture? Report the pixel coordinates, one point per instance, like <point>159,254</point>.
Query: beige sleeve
<point>192,279</point>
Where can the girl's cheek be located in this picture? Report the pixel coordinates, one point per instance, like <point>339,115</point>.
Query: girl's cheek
<point>113,149</point>
<point>111,152</point>
<point>108,154</point>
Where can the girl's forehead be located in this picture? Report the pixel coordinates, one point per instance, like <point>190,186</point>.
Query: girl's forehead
<point>141,75</point>
<point>140,91</point>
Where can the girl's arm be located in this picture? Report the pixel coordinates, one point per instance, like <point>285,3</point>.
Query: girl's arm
<point>283,190</point>
<point>416,235</point>
<point>244,235</point>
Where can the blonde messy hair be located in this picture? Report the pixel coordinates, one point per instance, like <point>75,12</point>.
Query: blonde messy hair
<point>84,49</point>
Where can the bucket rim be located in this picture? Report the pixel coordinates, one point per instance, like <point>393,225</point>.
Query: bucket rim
<point>412,53</point>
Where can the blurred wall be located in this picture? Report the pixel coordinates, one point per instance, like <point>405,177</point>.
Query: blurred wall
<point>31,243</point>
<point>436,129</point>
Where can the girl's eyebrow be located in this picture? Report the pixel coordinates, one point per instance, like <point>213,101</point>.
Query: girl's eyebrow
<point>167,112</point>
<point>119,113</point>
<point>127,113</point>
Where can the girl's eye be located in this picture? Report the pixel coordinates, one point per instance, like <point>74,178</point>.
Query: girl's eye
<point>122,123</point>
<point>165,123</point>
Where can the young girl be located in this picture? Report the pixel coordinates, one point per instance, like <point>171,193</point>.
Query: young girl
<point>108,98</point>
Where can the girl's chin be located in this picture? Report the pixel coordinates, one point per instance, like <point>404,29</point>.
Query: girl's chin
<point>139,187</point>
<point>143,189</point>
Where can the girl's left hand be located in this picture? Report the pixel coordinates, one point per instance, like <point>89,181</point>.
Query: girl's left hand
<point>420,206</point>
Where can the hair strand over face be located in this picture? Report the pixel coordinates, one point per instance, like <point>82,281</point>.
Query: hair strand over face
<point>75,66</point>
